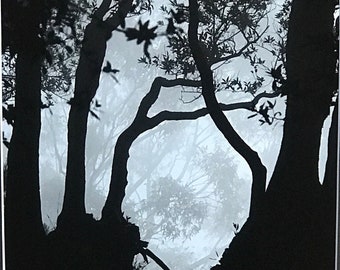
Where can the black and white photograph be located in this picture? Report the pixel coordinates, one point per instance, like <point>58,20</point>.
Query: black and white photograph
<point>170,135</point>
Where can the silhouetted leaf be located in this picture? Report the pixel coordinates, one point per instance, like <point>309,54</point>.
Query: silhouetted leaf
<point>274,86</point>
<point>94,115</point>
<point>142,34</point>
<point>276,72</point>
<point>251,116</point>
<point>271,105</point>
<point>48,57</point>
<point>114,77</point>
<point>171,27</point>
<point>44,106</point>
<point>69,49</point>
<point>179,16</point>
<point>97,104</point>
<point>107,67</point>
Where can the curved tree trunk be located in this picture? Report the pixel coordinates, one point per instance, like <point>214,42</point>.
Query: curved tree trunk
<point>112,209</point>
<point>258,170</point>
<point>286,234</point>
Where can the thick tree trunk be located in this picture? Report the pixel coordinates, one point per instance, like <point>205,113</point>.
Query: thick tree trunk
<point>286,234</point>
<point>23,224</point>
<point>294,193</point>
<point>328,208</point>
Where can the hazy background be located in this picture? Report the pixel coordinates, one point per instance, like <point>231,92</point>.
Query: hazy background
<point>187,186</point>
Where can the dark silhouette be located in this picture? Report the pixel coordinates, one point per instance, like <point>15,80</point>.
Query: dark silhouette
<point>291,224</point>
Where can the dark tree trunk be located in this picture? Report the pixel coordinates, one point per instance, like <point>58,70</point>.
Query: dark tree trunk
<point>112,209</point>
<point>87,81</point>
<point>328,208</point>
<point>294,193</point>
<point>24,229</point>
<point>88,72</point>
<point>286,233</point>
<point>80,242</point>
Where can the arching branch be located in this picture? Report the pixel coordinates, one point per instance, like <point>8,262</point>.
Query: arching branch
<point>141,123</point>
<point>220,120</point>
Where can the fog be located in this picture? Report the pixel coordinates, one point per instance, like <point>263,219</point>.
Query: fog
<point>187,186</point>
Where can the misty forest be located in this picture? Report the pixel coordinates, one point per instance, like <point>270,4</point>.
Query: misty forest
<point>194,134</point>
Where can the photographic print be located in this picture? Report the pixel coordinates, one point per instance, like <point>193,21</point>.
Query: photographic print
<point>170,134</point>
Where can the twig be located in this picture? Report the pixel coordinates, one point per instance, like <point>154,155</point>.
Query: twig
<point>156,259</point>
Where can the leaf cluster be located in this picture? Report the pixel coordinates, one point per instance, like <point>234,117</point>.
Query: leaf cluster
<point>142,33</point>
<point>220,23</point>
<point>267,113</point>
<point>59,27</point>
<point>25,21</point>
<point>238,85</point>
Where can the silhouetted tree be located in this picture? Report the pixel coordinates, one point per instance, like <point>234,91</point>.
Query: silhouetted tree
<point>284,224</point>
<point>283,228</point>
<point>24,27</point>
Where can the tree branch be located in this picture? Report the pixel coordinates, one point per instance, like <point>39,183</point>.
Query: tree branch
<point>142,123</point>
<point>123,9</point>
<point>241,50</point>
<point>248,105</point>
<point>220,120</point>
<point>153,94</point>
<point>102,10</point>
<point>156,259</point>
